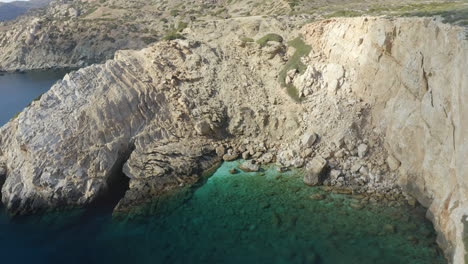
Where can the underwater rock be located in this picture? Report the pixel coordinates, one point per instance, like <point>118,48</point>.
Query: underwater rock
<point>317,196</point>
<point>388,228</point>
<point>356,205</point>
<point>282,169</point>
<point>249,166</point>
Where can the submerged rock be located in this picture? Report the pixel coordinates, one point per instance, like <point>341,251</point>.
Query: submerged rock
<point>249,166</point>
<point>317,196</point>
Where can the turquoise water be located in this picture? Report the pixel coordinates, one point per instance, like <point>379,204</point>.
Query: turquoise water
<point>263,217</point>
<point>18,89</point>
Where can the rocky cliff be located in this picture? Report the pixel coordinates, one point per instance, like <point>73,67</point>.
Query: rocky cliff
<point>412,74</point>
<point>379,103</point>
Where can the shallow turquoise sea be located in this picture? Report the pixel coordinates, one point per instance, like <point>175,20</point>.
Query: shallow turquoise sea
<point>240,218</point>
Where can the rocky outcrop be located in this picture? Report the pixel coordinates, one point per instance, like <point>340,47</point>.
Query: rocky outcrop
<point>145,106</point>
<point>63,149</point>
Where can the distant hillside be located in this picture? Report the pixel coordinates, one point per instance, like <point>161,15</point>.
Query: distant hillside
<point>12,10</point>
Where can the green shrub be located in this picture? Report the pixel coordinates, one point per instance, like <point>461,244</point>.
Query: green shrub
<point>174,12</point>
<point>173,36</point>
<point>149,40</point>
<point>295,62</point>
<point>247,39</point>
<point>181,26</point>
<point>344,13</point>
<point>269,37</point>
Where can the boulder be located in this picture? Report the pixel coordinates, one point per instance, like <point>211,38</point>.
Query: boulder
<point>220,150</point>
<point>314,171</point>
<point>257,155</point>
<point>266,158</point>
<point>203,128</point>
<point>393,163</point>
<point>73,12</point>
<point>298,162</point>
<point>356,167</point>
<point>249,166</point>
<point>334,174</point>
<point>245,155</point>
<point>340,153</point>
<point>309,139</point>
<point>230,157</point>
<point>362,150</point>
<point>307,152</point>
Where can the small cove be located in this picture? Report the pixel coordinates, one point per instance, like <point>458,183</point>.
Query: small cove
<point>268,217</point>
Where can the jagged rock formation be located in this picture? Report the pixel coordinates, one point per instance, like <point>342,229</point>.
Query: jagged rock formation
<point>174,109</point>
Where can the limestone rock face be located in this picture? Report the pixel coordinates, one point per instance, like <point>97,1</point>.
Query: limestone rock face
<point>412,72</point>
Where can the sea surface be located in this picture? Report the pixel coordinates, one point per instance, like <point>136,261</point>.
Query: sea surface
<point>261,217</point>
<point>17,90</point>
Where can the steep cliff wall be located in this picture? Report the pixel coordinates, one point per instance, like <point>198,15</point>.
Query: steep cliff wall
<point>413,75</point>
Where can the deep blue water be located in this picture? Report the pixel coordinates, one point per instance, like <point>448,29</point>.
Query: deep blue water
<point>17,90</point>
<point>243,218</point>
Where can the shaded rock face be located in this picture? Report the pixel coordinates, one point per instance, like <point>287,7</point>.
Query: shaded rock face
<point>413,74</point>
